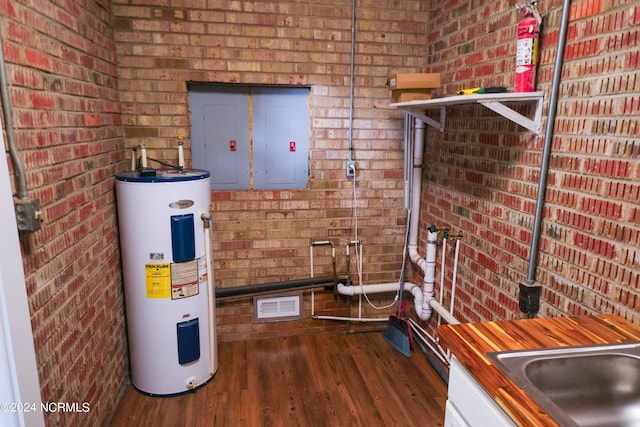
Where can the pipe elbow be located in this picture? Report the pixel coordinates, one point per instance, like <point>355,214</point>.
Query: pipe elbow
<point>343,289</point>
<point>416,292</point>
<point>418,299</point>
<point>427,311</point>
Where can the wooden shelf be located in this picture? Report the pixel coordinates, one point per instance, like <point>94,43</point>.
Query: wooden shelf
<point>493,101</point>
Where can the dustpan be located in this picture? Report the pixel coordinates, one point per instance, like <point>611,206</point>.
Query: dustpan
<point>398,332</point>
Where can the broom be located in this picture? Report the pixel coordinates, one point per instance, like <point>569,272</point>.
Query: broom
<point>398,332</point>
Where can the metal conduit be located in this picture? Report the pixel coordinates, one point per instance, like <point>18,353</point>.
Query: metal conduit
<point>352,76</point>
<point>18,166</point>
<point>548,143</point>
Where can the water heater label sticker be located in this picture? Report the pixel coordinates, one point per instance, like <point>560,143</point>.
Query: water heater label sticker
<point>158,280</point>
<point>202,269</point>
<point>184,279</point>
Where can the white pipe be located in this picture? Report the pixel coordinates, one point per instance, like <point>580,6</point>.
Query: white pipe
<point>443,258</point>
<point>143,155</point>
<point>437,350</point>
<point>418,153</point>
<point>446,316</point>
<point>133,159</point>
<point>421,299</point>
<point>213,354</point>
<point>419,296</point>
<point>372,289</point>
<point>352,319</point>
<point>429,275</point>
<point>313,294</point>
<point>416,291</point>
<point>424,301</point>
<point>427,304</point>
<point>180,154</point>
<point>455,276</point>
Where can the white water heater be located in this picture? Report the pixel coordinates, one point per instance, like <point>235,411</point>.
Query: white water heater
<point>166,259</point>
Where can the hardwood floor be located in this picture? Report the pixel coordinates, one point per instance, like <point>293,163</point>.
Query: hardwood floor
<point>318,380</point>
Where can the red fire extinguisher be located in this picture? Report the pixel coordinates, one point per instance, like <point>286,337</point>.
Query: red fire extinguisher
<point>527,53</point>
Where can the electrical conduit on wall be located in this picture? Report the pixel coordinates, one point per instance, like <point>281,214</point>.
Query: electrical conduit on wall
<point>529,296</point>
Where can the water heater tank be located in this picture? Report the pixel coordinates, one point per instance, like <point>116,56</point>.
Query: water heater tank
<point>163,218</point>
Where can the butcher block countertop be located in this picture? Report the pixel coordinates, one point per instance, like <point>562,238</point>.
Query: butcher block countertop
<point>470,342</point>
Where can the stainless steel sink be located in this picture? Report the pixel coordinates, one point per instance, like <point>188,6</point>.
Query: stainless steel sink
<point>580,386</point>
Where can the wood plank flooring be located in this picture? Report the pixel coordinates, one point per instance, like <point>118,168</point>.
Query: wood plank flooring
<point>314,380</point>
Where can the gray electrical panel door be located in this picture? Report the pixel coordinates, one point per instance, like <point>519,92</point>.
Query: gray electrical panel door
<point>250,137</point>
<point>220,134</point>
<point>280,137</point>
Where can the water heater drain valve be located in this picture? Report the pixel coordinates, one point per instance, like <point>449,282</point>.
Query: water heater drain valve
<point>191,383</point>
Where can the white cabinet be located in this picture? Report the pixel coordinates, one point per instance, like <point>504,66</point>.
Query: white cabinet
<point>468,404</point>
<point>452,417</point>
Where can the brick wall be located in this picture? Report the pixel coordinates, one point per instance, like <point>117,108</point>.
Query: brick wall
<point>62,74</point>
<point>482,174</point>
<point>264,236</point>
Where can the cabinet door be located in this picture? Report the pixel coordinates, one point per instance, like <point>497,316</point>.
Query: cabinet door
<point>452,417</point>
<point>472,402</point>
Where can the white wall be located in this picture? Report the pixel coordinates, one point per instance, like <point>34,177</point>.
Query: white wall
<point>18,371</point>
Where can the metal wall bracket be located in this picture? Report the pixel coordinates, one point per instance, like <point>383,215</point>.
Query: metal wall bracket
<point>496,102</point>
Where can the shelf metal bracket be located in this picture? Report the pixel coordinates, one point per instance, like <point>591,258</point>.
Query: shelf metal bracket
<point>533,125</point>
<point>439,125</point>
<point>494,102</point>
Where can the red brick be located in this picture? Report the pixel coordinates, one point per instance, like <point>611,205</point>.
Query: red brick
<point>480,175</point>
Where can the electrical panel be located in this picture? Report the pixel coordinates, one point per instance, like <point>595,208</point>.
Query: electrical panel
<point>220,135</point>
<point>280,137</point>
<point>250,137</point>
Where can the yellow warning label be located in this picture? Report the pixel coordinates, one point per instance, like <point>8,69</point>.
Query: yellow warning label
<point>158,280</point>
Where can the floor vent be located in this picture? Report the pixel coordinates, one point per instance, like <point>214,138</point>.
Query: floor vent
<point>276,309</point>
